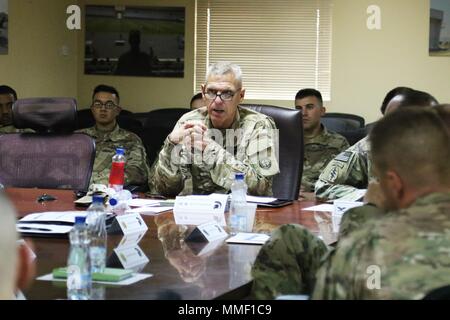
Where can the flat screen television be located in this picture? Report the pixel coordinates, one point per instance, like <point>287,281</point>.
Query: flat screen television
<point>134,41</point>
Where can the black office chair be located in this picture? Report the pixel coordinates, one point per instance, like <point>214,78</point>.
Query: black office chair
<point>339,122</point>
<point>351,126</point>
<point>54,157</point>
<point>157,126</point>
<point>286,184</point>
<point>442,293</point>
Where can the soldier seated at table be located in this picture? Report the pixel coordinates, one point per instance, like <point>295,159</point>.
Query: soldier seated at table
<point>209,145</point>
<point>397,256</point>
<point>320,145</point>
<point>350,171</point>
<point>109,136</point>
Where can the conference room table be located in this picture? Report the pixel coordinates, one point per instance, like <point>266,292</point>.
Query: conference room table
<point>180,269</point>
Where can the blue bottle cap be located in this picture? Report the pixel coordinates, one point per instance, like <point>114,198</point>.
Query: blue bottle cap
<point>113,202</point>
<point>80,220</point>
<point>239,176</point>
<point>120,151</point>
<point>97,199</point>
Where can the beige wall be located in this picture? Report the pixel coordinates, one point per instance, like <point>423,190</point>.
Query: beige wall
<point>35,65</point>
<point>365,64</point>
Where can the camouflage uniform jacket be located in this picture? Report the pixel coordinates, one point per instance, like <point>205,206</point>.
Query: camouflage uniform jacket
<point>12,129</point>
<point>251,151</point>
<point>408,250</point>
<point>319,150</point>
<point>347,172</point>
<point>136,166</point>
<point>357,218</point>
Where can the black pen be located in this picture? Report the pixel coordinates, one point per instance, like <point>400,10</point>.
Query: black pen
<point>37,229</point>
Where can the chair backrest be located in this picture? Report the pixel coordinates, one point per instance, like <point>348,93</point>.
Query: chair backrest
<point>45,114</point>
<point>52,157</point>
<point>340,122</point>
<point>157,126</point>
<point>40,160</point>
<point>286,184</point>
<point>442,293</point>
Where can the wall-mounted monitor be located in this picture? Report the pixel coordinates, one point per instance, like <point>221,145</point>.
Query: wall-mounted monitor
<point>3,26</point>
<point>134,41</point>
<point>439,43</point>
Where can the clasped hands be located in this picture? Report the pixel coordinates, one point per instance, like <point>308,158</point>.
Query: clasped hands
<point>191,135</point>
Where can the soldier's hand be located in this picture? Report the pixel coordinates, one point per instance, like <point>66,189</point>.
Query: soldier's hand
<point>186,131</point>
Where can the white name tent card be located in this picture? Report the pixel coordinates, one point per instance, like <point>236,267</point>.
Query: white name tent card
<point>132,239</point>
<point>129,257</point>
<point>128,224</point>
<point>208,232</point>
<point>197,210</point>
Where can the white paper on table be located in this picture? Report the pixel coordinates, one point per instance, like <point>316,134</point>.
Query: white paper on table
<point>356,195</point>
<point>321,207</point>
<point>126,282</point>
<point>149,210</point>
<point>260,199</point>
<point>143,202</point>
<point>53,216</point>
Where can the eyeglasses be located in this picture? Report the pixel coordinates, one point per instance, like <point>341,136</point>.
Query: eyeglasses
<point>225,96</point>
<point>109,105</point>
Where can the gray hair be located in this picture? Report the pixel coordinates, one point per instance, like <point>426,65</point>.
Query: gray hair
<point>8,248</point>
<point>225,67</point>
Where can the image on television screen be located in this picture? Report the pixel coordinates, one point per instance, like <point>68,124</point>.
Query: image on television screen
<point>134,41</point>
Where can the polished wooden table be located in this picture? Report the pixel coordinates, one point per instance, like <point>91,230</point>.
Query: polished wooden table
<point>180,270</point>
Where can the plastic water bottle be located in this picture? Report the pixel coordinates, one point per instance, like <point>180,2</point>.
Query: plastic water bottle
<point>117,173</point>
<point>78,263</point>
<point>96,221</point>
<point>238,217</point>
<point>119,202</point>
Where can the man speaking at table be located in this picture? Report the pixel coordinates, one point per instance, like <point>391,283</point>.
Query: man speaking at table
<point>209,145</point>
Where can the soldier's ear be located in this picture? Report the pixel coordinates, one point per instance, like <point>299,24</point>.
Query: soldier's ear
<point>396,185</point>
<point>242,95</point>
<point>323,110</point>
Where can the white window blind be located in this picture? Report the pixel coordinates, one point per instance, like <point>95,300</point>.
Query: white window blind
<point>282,46</point>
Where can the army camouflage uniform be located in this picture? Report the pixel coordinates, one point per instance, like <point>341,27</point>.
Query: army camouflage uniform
<point>252,152</point>
<point>409,246</point>
<point>346,173</point>
<point>319,150</point>
<point>136,167</point>
<point>12,129</point>
<point>357,218</point>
